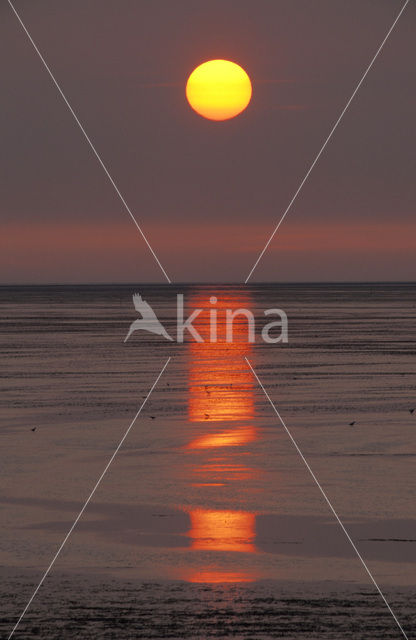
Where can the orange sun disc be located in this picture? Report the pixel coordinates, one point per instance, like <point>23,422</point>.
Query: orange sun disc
<point>218,89</point>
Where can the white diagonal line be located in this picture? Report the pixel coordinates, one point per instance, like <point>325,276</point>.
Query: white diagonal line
<point>88,140</point>
<point>327,140</point>
<point>87,501</point>
<point>327,500</point>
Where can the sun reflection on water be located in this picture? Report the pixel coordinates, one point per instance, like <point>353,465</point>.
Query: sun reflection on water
<point>222,530</point>
<point>220,385</point>
<point>232,438</point>
<point>220,391</point>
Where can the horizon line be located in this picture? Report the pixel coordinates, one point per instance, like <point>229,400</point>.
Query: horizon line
<point>206,282</point>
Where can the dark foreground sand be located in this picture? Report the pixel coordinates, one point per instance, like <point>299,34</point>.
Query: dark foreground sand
<point>74,606</point>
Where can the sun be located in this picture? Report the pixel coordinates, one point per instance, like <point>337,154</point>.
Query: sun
<point>218,89</point>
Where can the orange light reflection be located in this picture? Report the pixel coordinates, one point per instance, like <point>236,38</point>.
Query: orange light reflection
<point>233,438</point>
<point>220,384</point>
<point>216,576</point>
<point>222,530</point>
<point>220,390</point>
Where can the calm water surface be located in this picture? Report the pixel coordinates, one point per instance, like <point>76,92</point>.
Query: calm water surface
<point>208,523</point>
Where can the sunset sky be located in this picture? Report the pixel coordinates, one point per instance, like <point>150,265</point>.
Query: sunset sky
<point>207,194</point>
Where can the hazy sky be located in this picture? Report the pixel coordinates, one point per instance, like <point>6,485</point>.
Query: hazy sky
<point>207,194</point>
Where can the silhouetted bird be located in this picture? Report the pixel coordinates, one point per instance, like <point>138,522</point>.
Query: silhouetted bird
<point>352,423</point>
<point>411,410</point>
<point>152,417</point>
<point>206,415</point>
<point>34,429</point>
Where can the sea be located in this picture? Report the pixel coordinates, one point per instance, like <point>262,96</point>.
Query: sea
<point>247,472</point>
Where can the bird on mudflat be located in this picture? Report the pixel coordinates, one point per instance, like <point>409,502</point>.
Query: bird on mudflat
<point>33,429</point>
<point>411,410</point>
<point>352,423</point>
